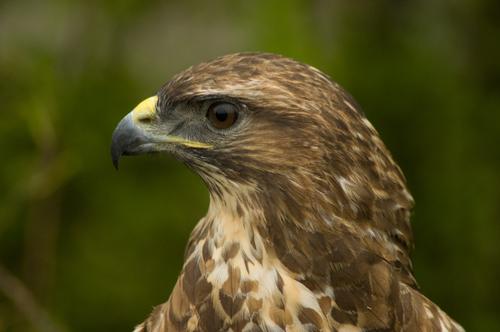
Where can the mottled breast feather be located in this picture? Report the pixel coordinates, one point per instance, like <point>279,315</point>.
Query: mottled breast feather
<point>308,227</point>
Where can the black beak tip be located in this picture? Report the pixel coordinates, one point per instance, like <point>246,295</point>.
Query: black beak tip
<point>115,158</point>
<point>116,153</point>
<point>126,140</point>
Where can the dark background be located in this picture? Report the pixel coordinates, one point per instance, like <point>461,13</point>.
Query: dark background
<point>86,248</point>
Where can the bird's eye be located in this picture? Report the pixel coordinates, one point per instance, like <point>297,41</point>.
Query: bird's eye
<point>222,115</point>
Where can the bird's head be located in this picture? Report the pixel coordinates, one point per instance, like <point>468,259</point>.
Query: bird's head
<point>267,128</point>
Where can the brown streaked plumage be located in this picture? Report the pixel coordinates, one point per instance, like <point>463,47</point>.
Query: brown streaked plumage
<point>308,227</point>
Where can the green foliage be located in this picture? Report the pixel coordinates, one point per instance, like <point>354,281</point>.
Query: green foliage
<point>97,248</point>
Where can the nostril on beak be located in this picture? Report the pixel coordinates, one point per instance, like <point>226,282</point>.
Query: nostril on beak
<point>144,118</point>
<point>145,112</point>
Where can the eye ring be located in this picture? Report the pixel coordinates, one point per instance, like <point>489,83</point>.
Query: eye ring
<point>222,115</point>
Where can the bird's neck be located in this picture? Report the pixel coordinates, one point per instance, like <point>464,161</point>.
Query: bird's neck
<point>232,265</point>
<point>233,231</point>
<point>232,221</point>
<point>239,227</point>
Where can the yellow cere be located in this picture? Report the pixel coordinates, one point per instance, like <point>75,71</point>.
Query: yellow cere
<point>145,110</point>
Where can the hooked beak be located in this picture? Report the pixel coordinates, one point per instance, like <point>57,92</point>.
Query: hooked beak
<point>131,136</point>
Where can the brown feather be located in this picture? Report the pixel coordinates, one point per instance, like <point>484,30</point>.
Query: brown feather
<point>308,227</point>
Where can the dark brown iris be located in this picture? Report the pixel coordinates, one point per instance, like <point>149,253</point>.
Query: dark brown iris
<point>222,115</point>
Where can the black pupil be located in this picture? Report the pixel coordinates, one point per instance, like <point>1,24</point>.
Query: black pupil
<point>221,114</point>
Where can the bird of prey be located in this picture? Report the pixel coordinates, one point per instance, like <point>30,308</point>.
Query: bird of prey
<point>308,226</point>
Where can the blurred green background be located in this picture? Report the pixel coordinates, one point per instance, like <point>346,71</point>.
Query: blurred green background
<point>90,249</point>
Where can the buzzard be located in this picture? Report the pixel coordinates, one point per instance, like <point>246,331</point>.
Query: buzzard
<point>308,227</point>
